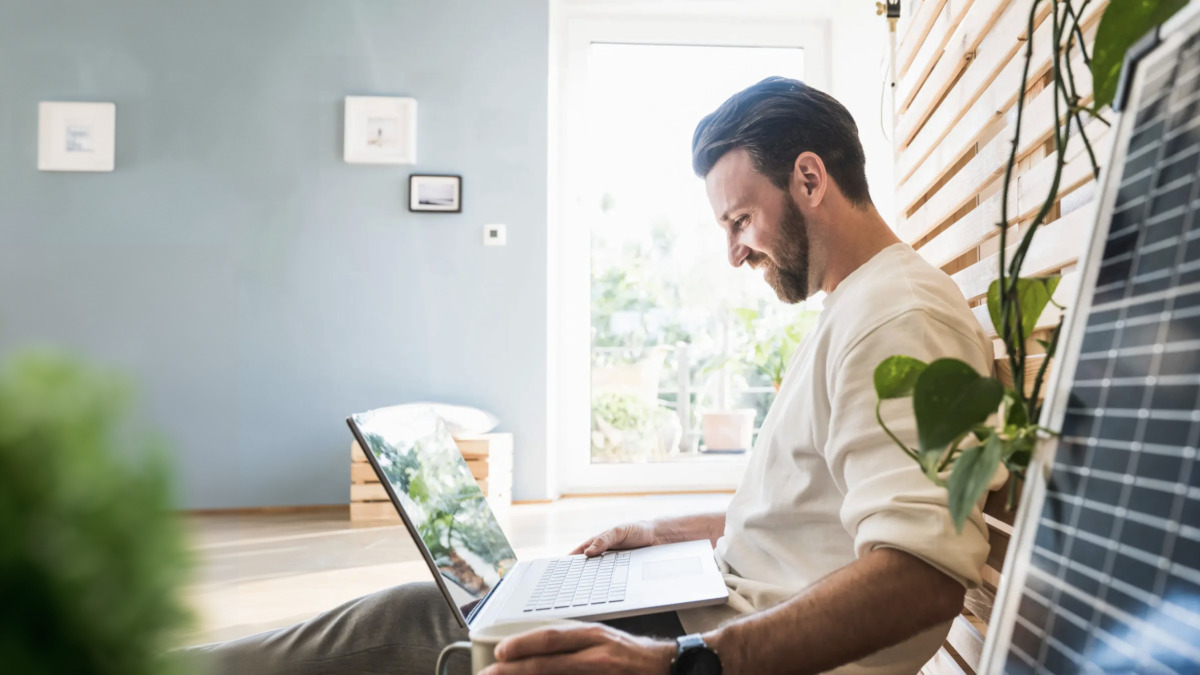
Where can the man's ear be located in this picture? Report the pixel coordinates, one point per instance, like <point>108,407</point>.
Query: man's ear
<point>809,180</point>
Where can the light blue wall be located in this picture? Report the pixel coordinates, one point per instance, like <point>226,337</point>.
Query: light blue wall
<point>256,287</point>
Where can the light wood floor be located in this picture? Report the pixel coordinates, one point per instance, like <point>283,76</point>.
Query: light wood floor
<point>264,571</point>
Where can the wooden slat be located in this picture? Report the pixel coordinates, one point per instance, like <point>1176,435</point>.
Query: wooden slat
<point>1034,184</point>
<point>479,447</point>
<point>373,511</point>
<point>907,10</point>
<point>356,453</point>
<point>922,21</point>
<point>943,663</point>
<point>1031,187</point>
<point>496,465</point>
<point>1056,244</point>
<point>957,192</point>
<point>361,472</point>
<point>1004,374</point>
<point>932,49</point>
<point>955,54</point>
<point>1064,295</point>
<point>368,492</point>
<point>987,90</point>
<point>1036,127</point>
<point>967,641</point>
<point>991,577</point>
<point>968,109</point>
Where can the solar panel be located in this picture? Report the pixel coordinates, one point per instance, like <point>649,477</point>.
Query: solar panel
<point>1105,576</point>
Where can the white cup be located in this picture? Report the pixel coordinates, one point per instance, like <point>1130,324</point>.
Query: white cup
<point>483,641</point>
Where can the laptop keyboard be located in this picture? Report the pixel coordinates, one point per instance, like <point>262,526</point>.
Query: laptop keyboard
<point>575,582</point>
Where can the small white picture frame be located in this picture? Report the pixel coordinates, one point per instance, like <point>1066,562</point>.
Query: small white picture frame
<point>380,130</point>
<point>77,136</point>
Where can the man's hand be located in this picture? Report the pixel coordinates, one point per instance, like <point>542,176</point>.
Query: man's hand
<point>632,535</point>
<point>594,648</point>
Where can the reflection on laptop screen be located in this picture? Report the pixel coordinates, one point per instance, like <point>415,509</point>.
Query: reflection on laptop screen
<point>439,495</point>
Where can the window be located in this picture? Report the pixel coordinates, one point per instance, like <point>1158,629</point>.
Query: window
<point>671,329</point>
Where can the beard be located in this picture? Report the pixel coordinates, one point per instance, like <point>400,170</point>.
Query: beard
<point>786,269</point>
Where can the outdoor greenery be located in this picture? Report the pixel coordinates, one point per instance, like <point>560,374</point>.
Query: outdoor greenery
<point>770,342</point>
<point>444,501</point>
<point>91,555</point>
<point>649,294</point>
<point>624,426</point>
<point>967,424</point>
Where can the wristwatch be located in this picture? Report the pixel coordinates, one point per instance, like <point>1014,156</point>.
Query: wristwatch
<point>694,657</point>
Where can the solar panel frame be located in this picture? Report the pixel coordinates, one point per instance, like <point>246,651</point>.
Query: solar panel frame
<point>1172,35</point>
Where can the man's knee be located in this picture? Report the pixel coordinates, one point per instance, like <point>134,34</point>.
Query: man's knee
<point>420,594</point>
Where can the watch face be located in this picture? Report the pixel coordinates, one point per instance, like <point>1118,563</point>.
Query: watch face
<point>697,661</point>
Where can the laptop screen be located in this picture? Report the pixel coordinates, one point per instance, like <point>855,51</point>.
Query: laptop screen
<point>439,496</point>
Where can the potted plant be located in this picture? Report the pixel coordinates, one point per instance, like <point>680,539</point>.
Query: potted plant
<point>771,341</point>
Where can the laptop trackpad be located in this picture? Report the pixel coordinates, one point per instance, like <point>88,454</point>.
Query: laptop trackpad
<point>671,569</point>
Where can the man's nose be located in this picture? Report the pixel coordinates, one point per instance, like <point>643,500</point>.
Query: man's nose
<point>737,253</point>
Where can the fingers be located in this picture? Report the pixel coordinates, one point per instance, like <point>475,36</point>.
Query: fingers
<point>547,665</point>
<point>582,547</point>
<point>634,535</point>
<point>599,543</point>
<point>550,641</point>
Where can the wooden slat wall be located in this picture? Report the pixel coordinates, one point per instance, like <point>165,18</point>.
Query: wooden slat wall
<point>958,68</point>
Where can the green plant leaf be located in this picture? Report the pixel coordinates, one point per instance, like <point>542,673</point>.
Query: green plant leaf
<point>1033,296</point>
<point>746,315</point>
<point>950,399</point>
<point>1124,23</point>
<point>969,480</point>
<point>896,376</point>
<point>1018,452</point>
<point>1015,413</point>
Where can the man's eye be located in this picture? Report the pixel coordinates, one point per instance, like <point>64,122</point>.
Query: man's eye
<point>740,222</point>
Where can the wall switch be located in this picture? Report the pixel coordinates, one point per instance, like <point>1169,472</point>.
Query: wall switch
<point>494,235</point>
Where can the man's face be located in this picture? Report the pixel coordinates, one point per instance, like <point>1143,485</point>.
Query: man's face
<point>763,224</point>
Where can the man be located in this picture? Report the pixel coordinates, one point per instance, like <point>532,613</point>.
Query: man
<point>838,552</point>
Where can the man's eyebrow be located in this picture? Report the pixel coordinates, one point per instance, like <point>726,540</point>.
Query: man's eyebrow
<point>726,217</point>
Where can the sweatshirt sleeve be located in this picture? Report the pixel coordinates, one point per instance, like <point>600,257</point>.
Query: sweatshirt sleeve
<point>888,500</point>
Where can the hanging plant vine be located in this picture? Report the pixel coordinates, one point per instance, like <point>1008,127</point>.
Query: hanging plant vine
<point>969,424</point>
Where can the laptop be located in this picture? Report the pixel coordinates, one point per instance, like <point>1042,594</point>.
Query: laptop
<point>472,561</point>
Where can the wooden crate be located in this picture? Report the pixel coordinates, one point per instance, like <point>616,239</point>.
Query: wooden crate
<point>490,457</point>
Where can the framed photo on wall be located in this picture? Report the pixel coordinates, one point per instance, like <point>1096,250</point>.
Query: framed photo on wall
<point>380,130</point>
<point>76,136</point>
<point>435,193</point>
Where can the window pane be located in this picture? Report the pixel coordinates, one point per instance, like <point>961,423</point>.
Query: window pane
<point>672,322</point>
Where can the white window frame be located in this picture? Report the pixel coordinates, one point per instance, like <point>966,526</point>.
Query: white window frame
<point>575,25</point>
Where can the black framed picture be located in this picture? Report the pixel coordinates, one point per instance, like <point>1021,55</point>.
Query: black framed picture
<point>439,194</point>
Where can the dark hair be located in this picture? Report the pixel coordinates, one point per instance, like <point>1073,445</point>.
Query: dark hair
<point>775,121</point>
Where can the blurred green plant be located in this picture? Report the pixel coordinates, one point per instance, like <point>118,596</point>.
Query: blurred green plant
<point>953,404</point>
<point>623,425</point>
<point>771,341</point>
<point>91,555</point>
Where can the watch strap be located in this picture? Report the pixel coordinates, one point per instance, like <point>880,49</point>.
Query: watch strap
<point>687,642</point>
<point>690,648</point>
